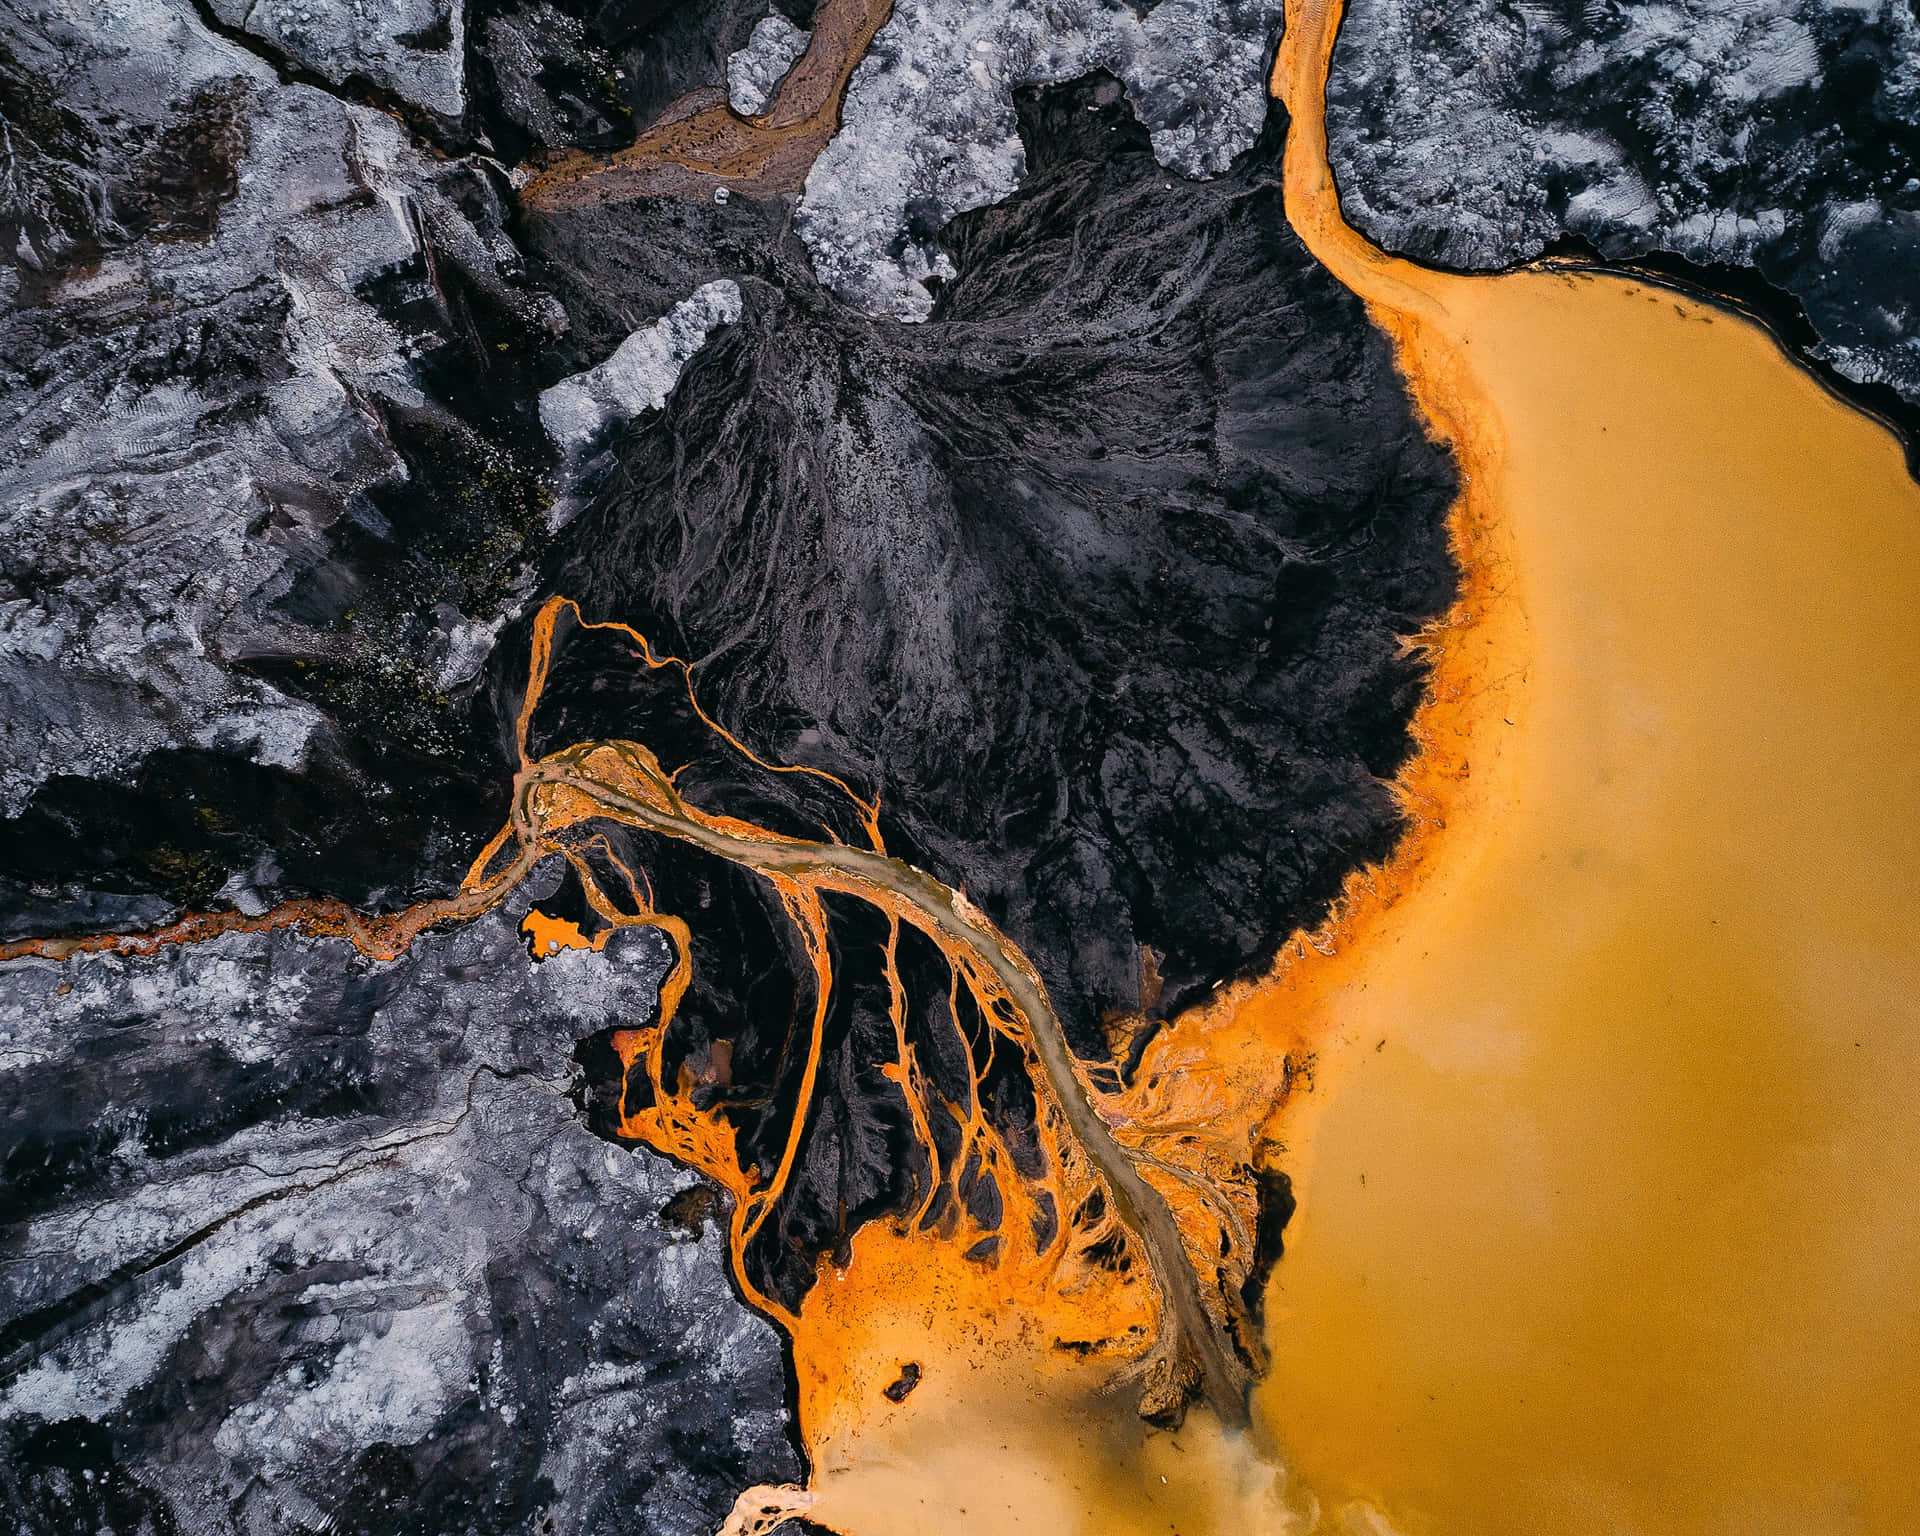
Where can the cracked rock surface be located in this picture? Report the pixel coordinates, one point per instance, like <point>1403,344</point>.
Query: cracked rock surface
<point>1782,135</point>
<point>267,384</point>
<point>411,48</point>
<point>294,1240</point>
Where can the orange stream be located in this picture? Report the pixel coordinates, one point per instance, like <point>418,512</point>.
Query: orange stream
<point>612,781</point>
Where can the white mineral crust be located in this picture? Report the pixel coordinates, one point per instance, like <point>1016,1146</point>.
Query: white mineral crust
<point>928,130</point>
<point>641,374</point>
<point>755,72</point>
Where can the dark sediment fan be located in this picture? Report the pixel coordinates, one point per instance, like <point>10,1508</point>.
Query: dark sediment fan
<point>1098,578</point>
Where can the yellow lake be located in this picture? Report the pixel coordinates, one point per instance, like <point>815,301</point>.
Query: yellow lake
<point>1609,1186</point>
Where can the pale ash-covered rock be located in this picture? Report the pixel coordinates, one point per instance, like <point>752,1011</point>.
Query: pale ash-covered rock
<point>1782,134</point>
<point>642,371</point>
<point>191,379</point>
<point>295,1232</point>
<point>929,130</point>
<point>414,49</point>
<point>754,72</point>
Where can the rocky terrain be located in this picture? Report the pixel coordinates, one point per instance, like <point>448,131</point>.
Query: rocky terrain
<point>1782,137</point>
<point>298,1242</point>
<point>1026,472</point>
<point>754,72</point>
<point>270,378</point>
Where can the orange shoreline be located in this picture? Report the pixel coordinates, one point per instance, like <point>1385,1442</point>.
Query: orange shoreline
<point>1605,1188</point>
<point>1218,1081</point>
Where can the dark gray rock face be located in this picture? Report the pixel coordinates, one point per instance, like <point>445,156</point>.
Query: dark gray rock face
<point>413,49</point>
<point>293,1240</point>
<point>549,82</point>
<point>267,382</point>
<point>1783,135</point>
<point>288,1240</point>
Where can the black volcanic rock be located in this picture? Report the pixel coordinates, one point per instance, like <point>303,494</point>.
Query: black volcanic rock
<point>1784,136</point>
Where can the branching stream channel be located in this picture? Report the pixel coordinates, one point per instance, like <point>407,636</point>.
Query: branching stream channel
<point>623,781</point>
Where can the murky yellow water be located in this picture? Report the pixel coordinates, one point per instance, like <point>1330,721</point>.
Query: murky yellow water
<point>1004,1432</point>
<point>1610,1184</point>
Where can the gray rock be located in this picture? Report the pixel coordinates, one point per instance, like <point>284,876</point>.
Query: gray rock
<point>413,49</point>
<point>928,128</point>
<point>197,381</point>
<point>754,73</point>
<point>1783,134</point>
<point>298,1231</point>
